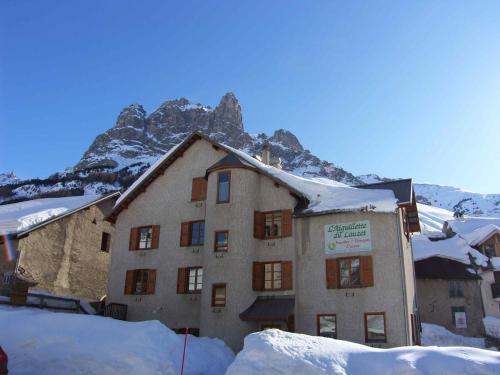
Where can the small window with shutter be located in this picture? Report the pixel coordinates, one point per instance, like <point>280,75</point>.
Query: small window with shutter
<point>352,272</point>
<point>199,189</point>
<point>193,233</point>
<point>219,295</point>
<point>140,281</point>
<point>273,224</point>
<point>272,276</point>
<point>144,238</point>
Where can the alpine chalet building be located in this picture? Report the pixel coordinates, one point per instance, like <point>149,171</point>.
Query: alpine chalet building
<point>225,244</point>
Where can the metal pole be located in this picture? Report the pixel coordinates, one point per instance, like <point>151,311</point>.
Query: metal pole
<point>184,351</point>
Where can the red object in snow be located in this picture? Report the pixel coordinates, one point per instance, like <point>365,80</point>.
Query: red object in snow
<point>4,360</point>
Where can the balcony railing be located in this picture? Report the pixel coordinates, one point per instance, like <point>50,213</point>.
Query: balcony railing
<point>495,290</point>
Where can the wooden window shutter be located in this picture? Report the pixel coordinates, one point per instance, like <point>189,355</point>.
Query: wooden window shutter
<point>331,274</point>
<point>156,237</point>
<point>199,189</point>
<point>129,282</point>
<point>286,275</point>
<point>286,217</point>
<point>151,281</point>
<point>258,276</point>
<point>366,271</point>
<point>258,225</point>
<point>134,234</point>
<point>182,278</point>
<point>185,234</point>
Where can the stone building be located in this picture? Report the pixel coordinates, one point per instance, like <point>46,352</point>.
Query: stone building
<point>225,244</point>
<point>60,244</point>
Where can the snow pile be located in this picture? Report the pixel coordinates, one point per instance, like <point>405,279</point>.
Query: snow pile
<point>435,335</point>
<point>465,226</point>
<point>43,343</point>
<point>492,326</point>
<point>274,352</point>
<point>17,217</point>
<point>454,248</point>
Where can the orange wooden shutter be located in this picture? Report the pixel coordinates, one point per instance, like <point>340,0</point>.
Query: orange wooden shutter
<point>286,275</point>
<point>129,282</point>
<point>331,274</point>
<point>286,217</point>
<point>366,271</point>
<point>185,234</point>
<point>258,225</point>
<point>134,234</point>
<point>258,276</point>
<point>156,237</point>
<point>202,188</point>
<point>182,278</point>
<point>194,190</point>
<point>151,281</point>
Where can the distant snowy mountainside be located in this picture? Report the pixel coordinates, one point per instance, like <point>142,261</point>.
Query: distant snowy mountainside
<point>121,154</point>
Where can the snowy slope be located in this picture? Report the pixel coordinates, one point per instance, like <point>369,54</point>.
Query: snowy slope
<point>46,343</point>
<point>274,352</point>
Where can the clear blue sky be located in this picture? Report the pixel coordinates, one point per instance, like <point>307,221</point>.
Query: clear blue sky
<point>401,89</point>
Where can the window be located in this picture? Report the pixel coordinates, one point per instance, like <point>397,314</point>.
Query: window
<point>221,241</point>
<point>461,321</point>
<point>349,272</point>
<point>456,289</point>
<point>7,277</point>
<point>375,330</point>
<point>223,187</point>
<point>140,282</point>
<point>105,241</point>
<point>272,275</point>
<point>199,189</point>
<point>219,295</point>
<point>195,281</point>
<point>197,232</point>
<point>327,325</point>
<point>272,224</point>
<point>145,238</point>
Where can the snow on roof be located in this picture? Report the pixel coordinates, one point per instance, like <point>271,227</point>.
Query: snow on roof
<point>495,263</point>
<point>479,235</point>
<point>467,225</point>
<point>454,248</point>
<point>322,193</point>
<point>325,194</point>
<point>432,219</point>
<point>18,217</point>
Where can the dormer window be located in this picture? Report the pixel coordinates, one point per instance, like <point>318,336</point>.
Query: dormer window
<point>223,187</point>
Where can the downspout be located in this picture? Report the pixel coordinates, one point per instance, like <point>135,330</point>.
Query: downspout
<point>403,281</point>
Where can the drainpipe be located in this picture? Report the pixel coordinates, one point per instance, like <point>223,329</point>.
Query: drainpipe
<point>403,281</point>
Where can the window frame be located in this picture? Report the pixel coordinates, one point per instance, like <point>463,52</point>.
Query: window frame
<point>272,275</point>
<point>456,289</point>
<point>143,271</point>
<point>272,223</point>
<point>217,247</point>
<point>196,269</point>
<point>350,286</point>
<point>219,174</point>
<point>318,318</point>
<point>384,340</point>
<point>107,242</point>
<point>138,242</point>
<point>191,223</point>
<point>214,288</point>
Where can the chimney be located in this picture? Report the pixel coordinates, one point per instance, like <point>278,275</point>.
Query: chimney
<point>266,154</point>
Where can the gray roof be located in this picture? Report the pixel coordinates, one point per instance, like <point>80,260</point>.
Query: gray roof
<point>231,160</point>
<point>403,190</point>
<point>270,308</point>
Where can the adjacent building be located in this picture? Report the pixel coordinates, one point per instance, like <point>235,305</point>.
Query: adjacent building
<point>224,244</point>
<point>61,245</point>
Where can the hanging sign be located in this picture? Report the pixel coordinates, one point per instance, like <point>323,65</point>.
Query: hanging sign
<point>348,237</point>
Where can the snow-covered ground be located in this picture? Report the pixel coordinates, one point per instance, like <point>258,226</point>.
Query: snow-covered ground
<point>274,352</point>
<point>492,326</point>
<point>41,342</point>
<point>434,335</point>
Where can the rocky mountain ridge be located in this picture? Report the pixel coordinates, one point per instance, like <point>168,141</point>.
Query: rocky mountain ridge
<point>119,155</point>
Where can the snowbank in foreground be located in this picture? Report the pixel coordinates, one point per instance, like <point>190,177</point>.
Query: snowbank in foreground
<point>434,335</point>
<point>41,342</point>
<point>274,352</point>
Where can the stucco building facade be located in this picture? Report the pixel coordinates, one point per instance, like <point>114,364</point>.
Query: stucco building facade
<point>221,243</point>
